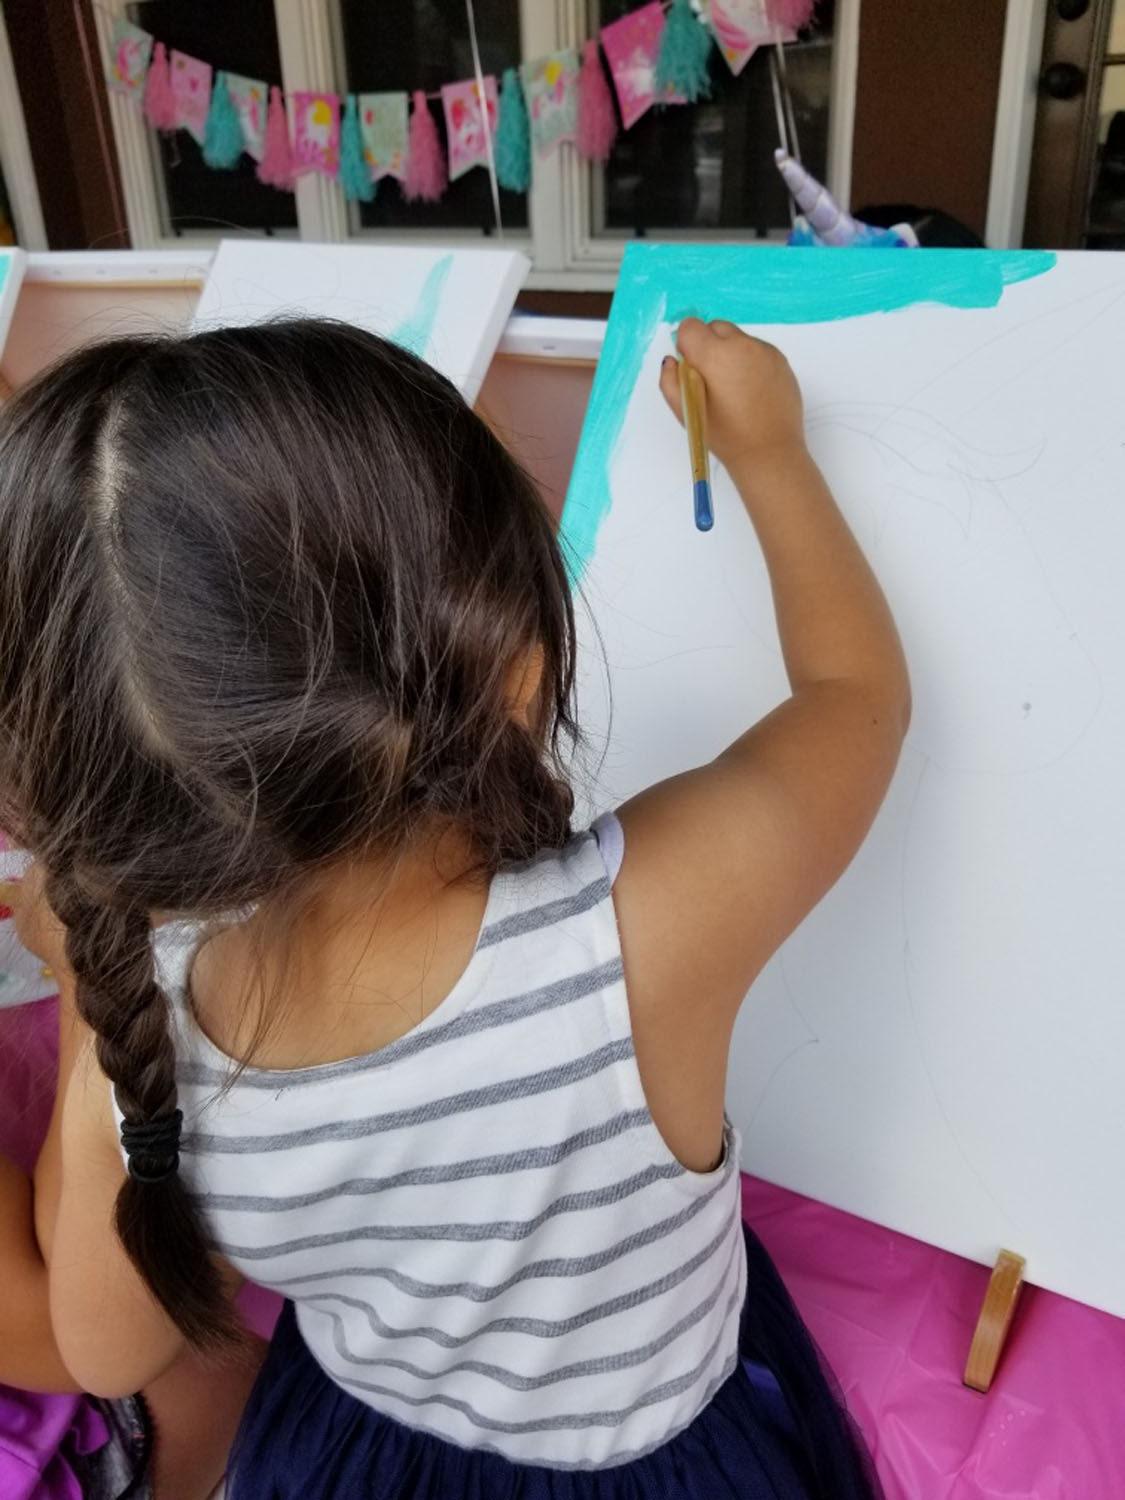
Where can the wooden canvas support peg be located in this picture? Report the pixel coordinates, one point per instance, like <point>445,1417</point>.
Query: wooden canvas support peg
<point>995,1320</point>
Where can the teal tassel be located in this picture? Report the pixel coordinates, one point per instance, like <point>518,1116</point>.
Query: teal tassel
<point>222,138</point>
<point>685,49</point>
<point>355,178</point>
<point>513,140</point>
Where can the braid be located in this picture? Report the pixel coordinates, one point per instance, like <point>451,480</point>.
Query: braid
<point>110,951</point>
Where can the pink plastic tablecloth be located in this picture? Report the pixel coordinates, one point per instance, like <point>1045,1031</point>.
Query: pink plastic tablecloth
<point>894,1316</point>
<point>895,1319</point>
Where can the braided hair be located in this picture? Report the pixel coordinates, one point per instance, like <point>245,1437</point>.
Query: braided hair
<point>261,593</point>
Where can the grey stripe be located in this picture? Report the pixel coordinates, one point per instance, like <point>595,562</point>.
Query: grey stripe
<point>197,1143</point>
<point>482,1018</point>
<point>532,920</point>
<point>540,1328</point>
<point>605,1364</point>
<point>532,1159</point>
<point>564,1422</point>
<point>497,1229</point>
<point>472,1291</point>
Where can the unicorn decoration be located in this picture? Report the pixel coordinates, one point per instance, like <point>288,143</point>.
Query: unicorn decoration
<point>821,220</point>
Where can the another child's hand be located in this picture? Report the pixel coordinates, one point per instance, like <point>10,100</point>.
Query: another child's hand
<point>753,400</point>
<point>37,927</point>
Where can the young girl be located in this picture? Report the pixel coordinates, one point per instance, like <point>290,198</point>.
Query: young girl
<point>286,648</point>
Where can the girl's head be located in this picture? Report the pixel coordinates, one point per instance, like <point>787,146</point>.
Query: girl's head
<point>270,597</point>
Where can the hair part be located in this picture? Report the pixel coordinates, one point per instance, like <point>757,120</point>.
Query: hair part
<point>262,591</point>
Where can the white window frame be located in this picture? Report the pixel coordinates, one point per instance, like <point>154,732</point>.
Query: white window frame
<point>1017,99</point>
<point>566,252</point>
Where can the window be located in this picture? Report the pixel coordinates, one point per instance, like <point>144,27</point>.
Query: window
<point>403,45</point>
<point>711,167</point>
<point>192,196</point>
<point>702,170</point>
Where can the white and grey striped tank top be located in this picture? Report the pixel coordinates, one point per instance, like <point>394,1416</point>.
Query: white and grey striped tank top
<point>483,1232</point>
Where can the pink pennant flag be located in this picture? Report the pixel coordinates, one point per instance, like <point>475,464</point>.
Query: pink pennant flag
<point>250,96</point>
<point>631,47</point>
<point>316,133</point>
<point>191,90</point>
<point>464,123</point>
<point>130,51</point>
<point>740,27</point>
<point>550,86</point>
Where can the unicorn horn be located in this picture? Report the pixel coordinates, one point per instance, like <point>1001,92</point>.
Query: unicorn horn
<point>832,225</point>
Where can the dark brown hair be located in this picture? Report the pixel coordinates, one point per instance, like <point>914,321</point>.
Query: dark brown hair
<point>261,595</point>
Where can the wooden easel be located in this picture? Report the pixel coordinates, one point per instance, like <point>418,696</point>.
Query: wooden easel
<point>995,1320</point>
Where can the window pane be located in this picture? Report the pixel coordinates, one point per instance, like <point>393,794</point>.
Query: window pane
<point>239,38</point>
<point>421,44</point>
<point>710,165</point>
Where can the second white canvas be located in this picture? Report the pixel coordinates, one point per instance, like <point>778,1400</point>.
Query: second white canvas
<point>447,306</point>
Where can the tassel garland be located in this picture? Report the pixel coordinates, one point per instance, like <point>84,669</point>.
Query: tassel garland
<point>790,16</point>
<point>597,118</point>
<point>355,178</point>
<point>425,166</point>
<point>159,101</point>
<point>276,165</point>
<point>513,136</point>
<point>685,47</point>
<point>222,139</point>
<point>656,53</point>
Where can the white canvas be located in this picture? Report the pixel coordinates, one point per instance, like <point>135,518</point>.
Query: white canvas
<point>940,1048</point>
<point>449,306</point>
<point>12,265</point>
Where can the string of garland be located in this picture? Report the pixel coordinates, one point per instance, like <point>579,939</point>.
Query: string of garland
<point>364,137</point>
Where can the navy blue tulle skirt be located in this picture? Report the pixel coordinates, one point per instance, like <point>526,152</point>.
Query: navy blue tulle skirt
<point>777,1429</point>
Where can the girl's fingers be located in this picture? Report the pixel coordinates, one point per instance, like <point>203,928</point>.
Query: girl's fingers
<point>670,384</point>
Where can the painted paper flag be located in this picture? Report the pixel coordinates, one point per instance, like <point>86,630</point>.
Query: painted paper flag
<point>464,123</point>
<point>550,86</point>
<point>316,133</point>
<point>383,124</point>
<point>251,99</point>
<point>191,90</point>
<point>130,50</point>
<point>631,47</point>
<point>740,27</point>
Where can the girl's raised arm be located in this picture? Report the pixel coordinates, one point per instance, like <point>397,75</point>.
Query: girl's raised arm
<point>722,863</point>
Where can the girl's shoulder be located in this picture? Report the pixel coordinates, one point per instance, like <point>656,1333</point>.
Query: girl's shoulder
<point>569,888</point>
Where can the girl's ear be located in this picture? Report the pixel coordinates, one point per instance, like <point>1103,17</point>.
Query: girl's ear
<point>525,677</point>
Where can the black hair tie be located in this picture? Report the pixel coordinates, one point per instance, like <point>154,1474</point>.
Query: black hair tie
<point>157,1139</point>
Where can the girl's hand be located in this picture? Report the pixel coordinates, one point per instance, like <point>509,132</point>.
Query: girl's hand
<point>37,927</point>
<point>753,401</point>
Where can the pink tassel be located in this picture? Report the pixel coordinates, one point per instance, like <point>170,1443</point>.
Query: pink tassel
<point>159,101</point>
<point>790,15</point>
<point>425,164</point>
<point>597,118</point>
<point>276,165</point>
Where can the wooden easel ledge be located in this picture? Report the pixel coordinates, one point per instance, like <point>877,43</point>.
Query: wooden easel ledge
<point>995,1320</point>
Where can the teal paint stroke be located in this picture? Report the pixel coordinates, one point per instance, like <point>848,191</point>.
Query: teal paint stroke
<point>756,285</point>
<point>414,332</point>
<point>5,262</point>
